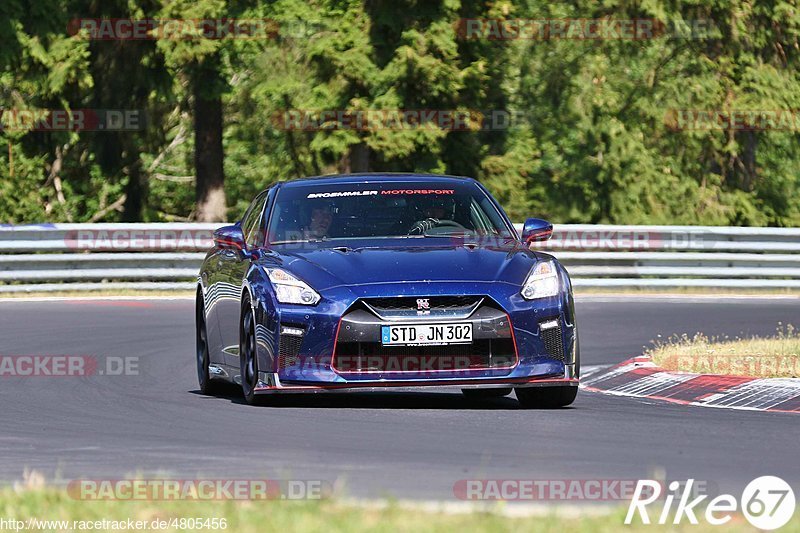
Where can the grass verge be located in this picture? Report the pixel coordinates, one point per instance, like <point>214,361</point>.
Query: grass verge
<point>764,357</point>
<point>306,516</point>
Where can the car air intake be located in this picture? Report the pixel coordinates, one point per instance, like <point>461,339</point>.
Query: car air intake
<point>289,345</point>
<point>372,357</point>
<point>551,337</point>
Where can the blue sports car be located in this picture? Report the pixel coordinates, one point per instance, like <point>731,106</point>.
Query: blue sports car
<point>376,281</point>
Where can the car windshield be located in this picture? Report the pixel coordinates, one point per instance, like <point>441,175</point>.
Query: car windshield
<point>383,210</point>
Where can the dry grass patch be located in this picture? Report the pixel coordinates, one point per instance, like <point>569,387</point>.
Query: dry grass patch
<point>766,357</point>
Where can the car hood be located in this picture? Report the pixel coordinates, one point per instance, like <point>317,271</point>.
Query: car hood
<point>327,267</point>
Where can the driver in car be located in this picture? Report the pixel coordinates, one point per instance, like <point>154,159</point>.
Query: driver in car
<point>320,222</point>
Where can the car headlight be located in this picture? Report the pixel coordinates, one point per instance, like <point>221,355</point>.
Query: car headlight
<point>542,282</point>
<point>290,290</point>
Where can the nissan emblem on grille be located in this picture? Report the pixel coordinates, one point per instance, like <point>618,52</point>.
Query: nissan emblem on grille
<point>423,304</point>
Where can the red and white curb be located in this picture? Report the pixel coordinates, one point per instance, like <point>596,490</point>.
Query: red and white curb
<point>641,378</point>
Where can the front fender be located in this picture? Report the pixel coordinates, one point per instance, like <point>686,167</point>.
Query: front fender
<point>262,298</point>
<point>571,340</point>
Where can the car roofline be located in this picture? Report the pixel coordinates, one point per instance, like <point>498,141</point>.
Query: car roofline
<point>357,177</point>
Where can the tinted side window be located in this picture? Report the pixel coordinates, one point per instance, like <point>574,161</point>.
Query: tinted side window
<point>258,237</point>
<point>250,223</point>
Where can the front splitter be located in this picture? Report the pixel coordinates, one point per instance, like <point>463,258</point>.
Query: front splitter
<point>269,383</point>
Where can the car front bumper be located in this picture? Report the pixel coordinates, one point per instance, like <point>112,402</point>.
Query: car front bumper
<point>540,357</point>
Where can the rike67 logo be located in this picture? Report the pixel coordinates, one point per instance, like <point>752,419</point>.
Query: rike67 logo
<point>767,502</point>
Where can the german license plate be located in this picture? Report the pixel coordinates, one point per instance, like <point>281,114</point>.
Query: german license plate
<point>422,334</point>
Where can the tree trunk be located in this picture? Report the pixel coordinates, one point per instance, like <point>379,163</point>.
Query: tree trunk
<point>208,156</point>
<point>135,193</point>
<point>749,143</point>
<point>358,158</point>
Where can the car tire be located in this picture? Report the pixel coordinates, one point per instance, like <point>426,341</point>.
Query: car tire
<point>248,358</point>
<point>482,394</point>
<point>207,385</point>
<point>546,397</point>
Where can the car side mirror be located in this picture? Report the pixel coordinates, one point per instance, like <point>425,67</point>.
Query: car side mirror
<point>229,237</point>
<point>536,230</point>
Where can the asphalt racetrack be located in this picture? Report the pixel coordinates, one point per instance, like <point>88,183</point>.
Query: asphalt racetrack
<point>407,445</point>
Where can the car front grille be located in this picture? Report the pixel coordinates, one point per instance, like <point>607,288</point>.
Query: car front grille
<point>434,306</point>
<point>435,302</point>
<point>360,348</point>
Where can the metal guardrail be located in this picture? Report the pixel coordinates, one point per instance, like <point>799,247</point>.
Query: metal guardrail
<point>57,257</point>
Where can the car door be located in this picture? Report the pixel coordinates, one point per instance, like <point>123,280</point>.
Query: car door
<point>233,267</point>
